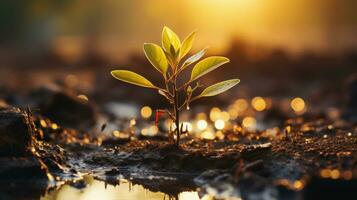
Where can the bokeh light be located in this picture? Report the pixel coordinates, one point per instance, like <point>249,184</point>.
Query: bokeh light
<point>219,124</point>
<point>258,103</point>
<point>249,123</point>
<point>224,116</point>
<point>146,112</point>
<point>233,113</point>
<point>214,114</point>
<point>208,135</point>
<point>150,131</point>
<point>201,124</point>
<point>241,105</point>
<point>298,105</point>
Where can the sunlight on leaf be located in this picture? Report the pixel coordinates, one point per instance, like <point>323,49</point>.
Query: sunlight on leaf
<point>168,60</point>
<point>194,58</point>
<point>219,88</point>
<point>169,38</point>
<point>187,44</point>
<point>156,56</point>
<point>207,65</point>
<point>132,77</point>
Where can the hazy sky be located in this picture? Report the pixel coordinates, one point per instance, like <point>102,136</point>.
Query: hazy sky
<point>123,25</point>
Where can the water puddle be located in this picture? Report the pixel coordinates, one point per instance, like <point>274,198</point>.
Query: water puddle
<point>94,189</point>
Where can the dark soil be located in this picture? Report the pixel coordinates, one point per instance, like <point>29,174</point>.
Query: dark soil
<point>282,166</point>
<point>305,156</point>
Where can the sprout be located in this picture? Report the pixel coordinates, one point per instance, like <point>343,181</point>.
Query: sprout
<point>168,60</point>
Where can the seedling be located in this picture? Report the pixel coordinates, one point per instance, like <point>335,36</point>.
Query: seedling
<point>168,60</point>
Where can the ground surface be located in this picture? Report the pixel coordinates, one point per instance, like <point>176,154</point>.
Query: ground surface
<point>300,158</point>
<point>305,157</point>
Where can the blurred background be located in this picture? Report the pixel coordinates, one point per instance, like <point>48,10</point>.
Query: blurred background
<point>279,49</point>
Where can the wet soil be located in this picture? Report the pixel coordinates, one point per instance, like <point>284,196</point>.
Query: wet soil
<point>301,158</point>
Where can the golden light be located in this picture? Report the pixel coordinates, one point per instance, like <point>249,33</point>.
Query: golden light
<point>298,105</point>
<point>233,113</point>
<point>325,173</point>
<point>208,135</point>
<point>201,115</point>
<point>82,97</point>
<point>241,105</point>
<point>54,126</point>
<point>258,103</point>
<point>146,112</point>
<point>272,132</point>
<point>116,133</point>
<point>214,114</point>
<point>298,185</point>
<point>99,190</point>
<point>219,124</point>
<point>187,126</point>
<point>154,130</point>
<point>189,196</point>
<point>151,131</point>
<point>335,174</point>
<point>144,131</point>
<point>249,123</point>
<point>225,116</point>
<point>201,124</point>
<point>132,122</point>
<point>220,135</point>
<point>119,134</point>
<point>43,123</point>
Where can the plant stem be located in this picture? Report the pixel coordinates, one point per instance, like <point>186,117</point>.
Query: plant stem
<point>176,106</point>
<point>177,117</point>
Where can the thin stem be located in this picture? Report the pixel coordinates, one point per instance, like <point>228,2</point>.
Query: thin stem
<point>177,117</point>
<point>184,103</point>
<point>176,105</point>
<point>185,85</point>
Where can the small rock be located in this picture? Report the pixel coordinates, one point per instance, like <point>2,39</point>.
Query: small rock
<point>15,132</point>
<point>64,108</point>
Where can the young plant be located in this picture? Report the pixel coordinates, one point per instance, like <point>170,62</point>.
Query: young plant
<point>168,61</point>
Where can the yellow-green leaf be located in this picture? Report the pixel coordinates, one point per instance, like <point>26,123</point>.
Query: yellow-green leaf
<point>187,44</point>
<point>207,65</point>
<point>156,56</point>
<point>132,77</point>
<point>169,38</point>
<point>219,88</point>
<point>194,58</point>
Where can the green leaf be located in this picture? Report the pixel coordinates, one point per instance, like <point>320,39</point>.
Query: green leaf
<point>219,88</point>
<point>187,44</point>
<point>194,58</point>
<point>132,77</point>
<point>156,56</point>
<point>207,65</point>
<point>169,38</point>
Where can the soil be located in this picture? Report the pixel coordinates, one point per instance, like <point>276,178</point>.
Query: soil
<point>299,159</point>
<point>304,156</point>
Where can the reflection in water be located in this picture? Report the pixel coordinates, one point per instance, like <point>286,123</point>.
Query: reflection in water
<point>95,190</point>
